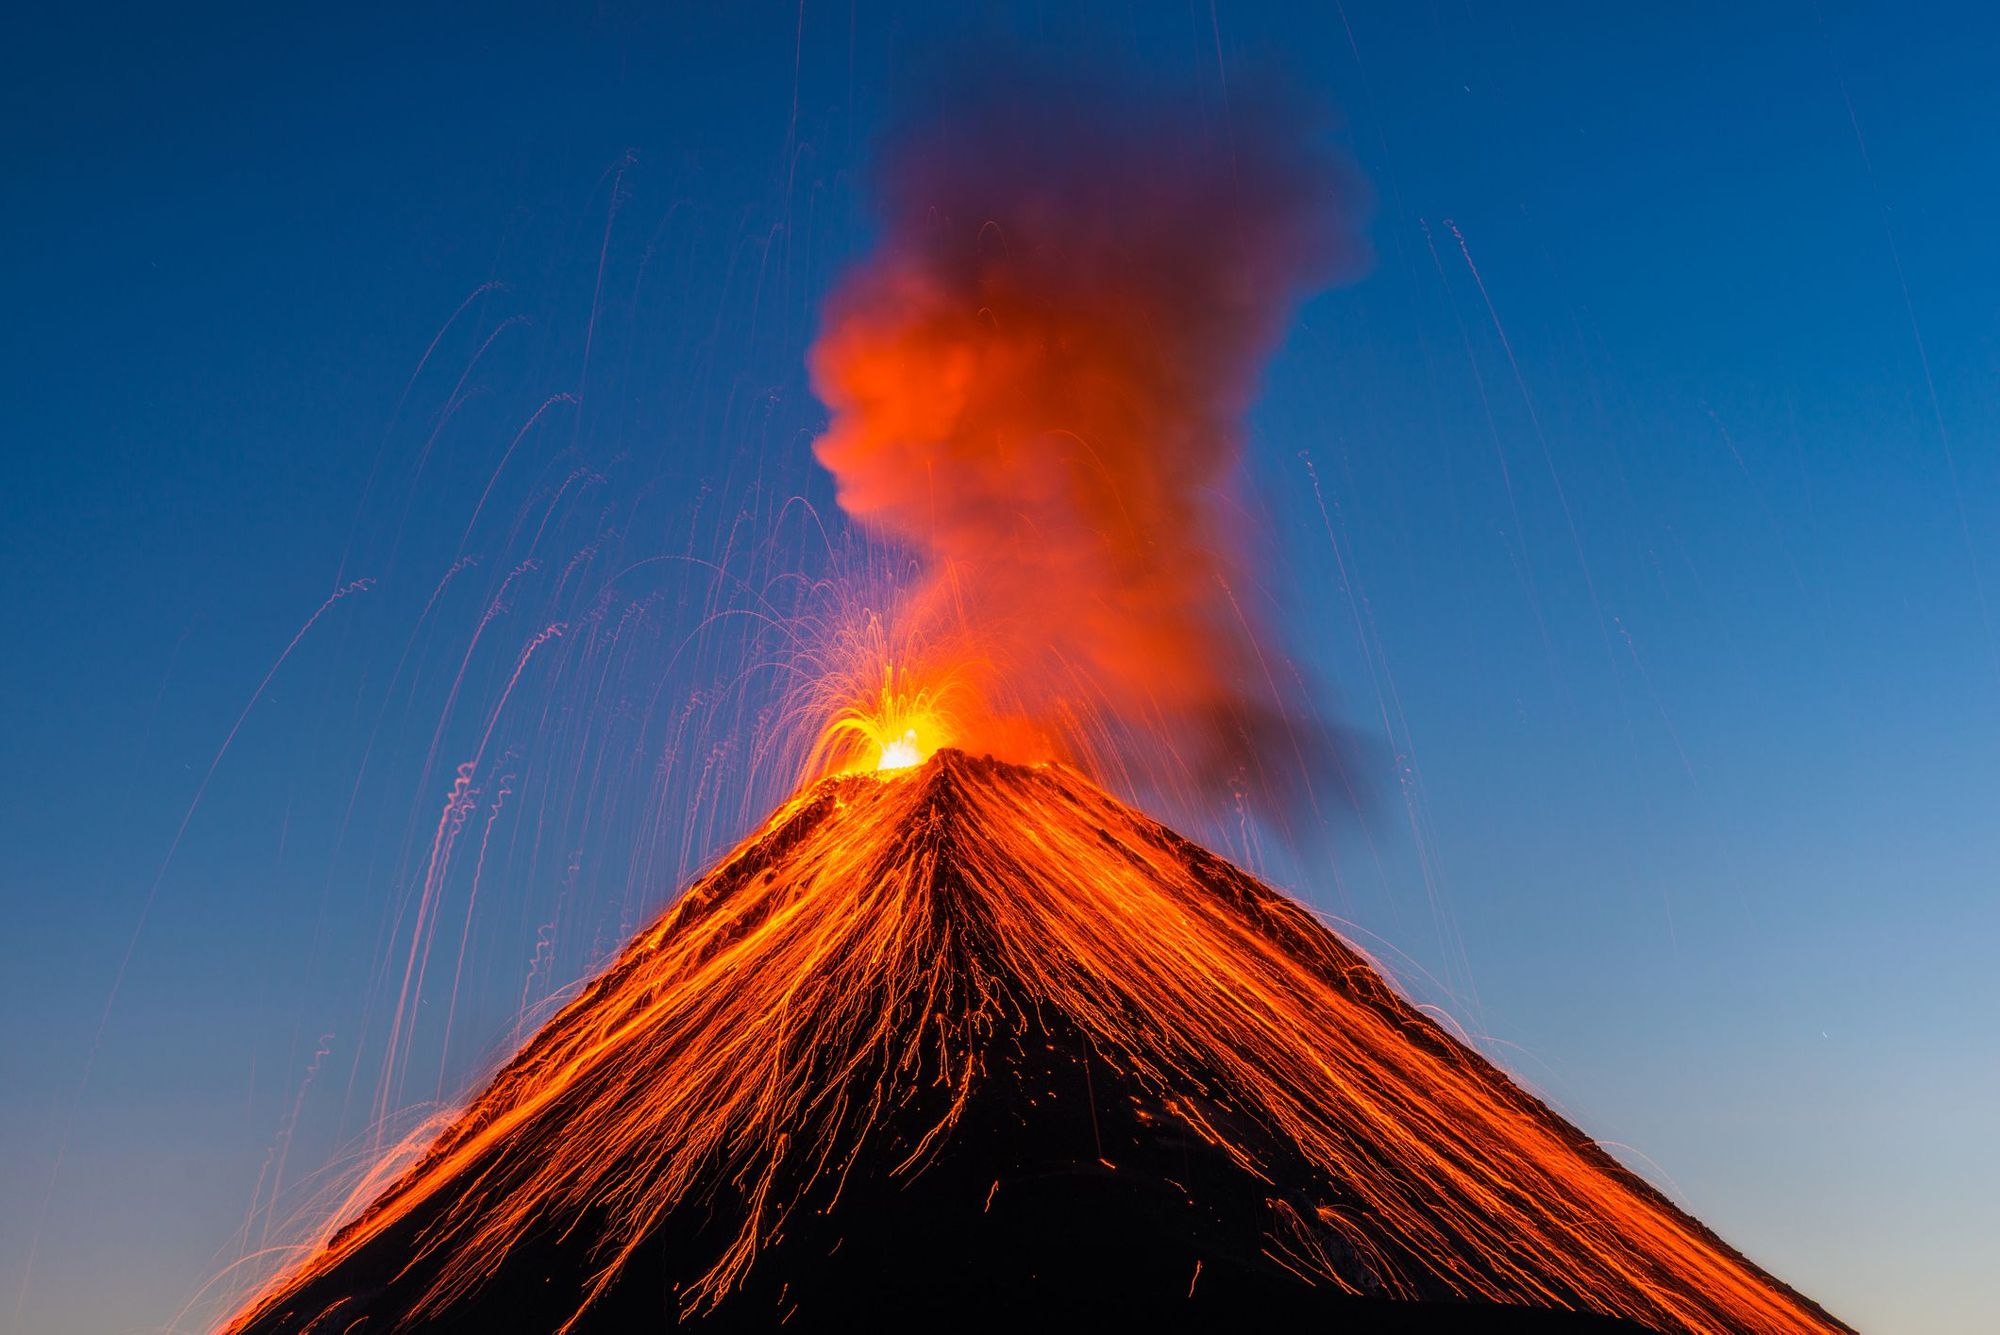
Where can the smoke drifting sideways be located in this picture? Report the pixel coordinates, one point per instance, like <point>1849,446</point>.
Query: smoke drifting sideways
<point>1037,384</point>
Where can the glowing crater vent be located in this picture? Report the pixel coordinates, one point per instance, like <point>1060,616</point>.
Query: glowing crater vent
<point>895,723</point>
<point>902,752</point>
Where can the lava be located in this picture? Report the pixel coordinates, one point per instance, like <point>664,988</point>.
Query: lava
<point>899,726</point>
<point>831,1013</point>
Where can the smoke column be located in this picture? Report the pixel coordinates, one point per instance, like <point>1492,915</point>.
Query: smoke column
<point>1037,384</point>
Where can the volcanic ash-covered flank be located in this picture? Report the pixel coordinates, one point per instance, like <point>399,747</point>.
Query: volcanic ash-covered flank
<point>970,1041</point>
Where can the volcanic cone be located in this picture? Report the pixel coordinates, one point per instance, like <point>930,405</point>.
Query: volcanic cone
<point>972,1042</point>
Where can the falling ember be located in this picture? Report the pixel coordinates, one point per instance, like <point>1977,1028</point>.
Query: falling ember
<point>982,1021</point>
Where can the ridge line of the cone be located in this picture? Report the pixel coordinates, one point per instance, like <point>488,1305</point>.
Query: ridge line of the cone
<point>942,766</point>
<point>952,761</point>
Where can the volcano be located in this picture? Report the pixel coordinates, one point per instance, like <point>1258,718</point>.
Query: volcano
<point>974,1043</point>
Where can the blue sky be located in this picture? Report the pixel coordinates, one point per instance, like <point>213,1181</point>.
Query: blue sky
<point>1657,446</point>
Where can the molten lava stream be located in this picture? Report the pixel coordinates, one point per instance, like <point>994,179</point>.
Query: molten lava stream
<point>822,1011</point>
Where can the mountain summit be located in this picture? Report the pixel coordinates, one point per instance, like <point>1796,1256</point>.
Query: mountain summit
<point>971,1042</point>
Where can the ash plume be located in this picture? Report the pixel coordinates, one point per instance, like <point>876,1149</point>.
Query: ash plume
<point>1037,384</point>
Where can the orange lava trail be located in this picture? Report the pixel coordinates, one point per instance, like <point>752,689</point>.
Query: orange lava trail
<point>880,926</point>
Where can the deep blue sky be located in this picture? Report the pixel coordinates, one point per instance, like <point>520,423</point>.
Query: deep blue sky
<point>1671,595</point>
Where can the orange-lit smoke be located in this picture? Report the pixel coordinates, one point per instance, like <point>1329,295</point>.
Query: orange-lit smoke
<point>1037,385</point>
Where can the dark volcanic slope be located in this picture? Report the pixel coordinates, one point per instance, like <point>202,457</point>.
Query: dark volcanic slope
<point>975,1042</point>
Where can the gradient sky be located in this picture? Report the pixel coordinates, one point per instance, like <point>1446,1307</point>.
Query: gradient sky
<point>1658,447</point>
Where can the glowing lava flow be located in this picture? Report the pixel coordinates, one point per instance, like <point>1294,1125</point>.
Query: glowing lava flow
<point>854,966</point>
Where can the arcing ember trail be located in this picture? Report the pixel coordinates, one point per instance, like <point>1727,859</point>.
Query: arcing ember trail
<point>969,1040</point>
